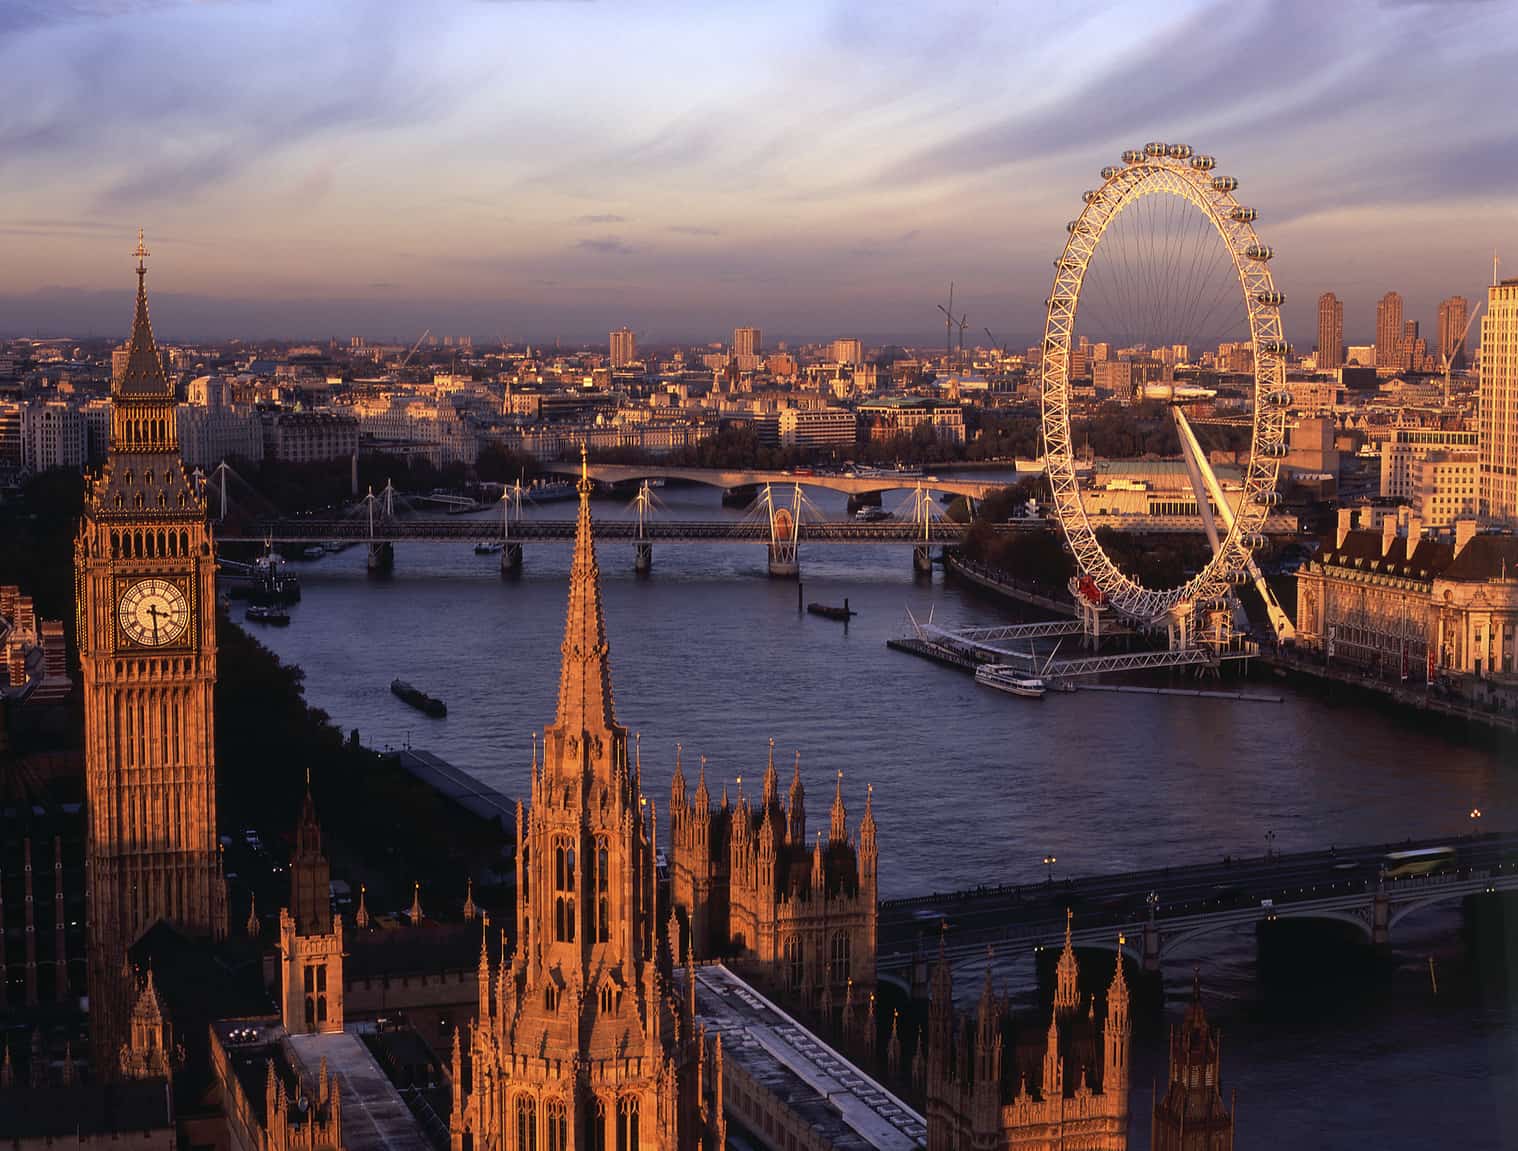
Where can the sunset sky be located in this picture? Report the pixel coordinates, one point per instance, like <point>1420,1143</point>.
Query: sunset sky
<point>549,170</point>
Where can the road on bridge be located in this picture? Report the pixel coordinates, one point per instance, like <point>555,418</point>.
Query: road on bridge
<point>979,917</point>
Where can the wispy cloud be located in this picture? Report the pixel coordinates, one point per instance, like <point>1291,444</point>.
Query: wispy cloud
<point>693,230</point>
<point>609,246</point>
<point>601,218</point>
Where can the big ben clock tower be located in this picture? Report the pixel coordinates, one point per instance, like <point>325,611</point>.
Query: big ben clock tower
<point>145,597</point>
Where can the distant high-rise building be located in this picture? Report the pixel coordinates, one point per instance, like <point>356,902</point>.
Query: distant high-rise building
<point>1498,426</point>
<point>745,341</point>
<point>847,351</point>
<point>624,347</point>
<point>1388,329</point>
<point>1330,332</point>
<point>1454,314</point>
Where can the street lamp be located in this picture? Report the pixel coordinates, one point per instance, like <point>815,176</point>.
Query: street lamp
<point>1475,822</point>
<point>1049,862</point>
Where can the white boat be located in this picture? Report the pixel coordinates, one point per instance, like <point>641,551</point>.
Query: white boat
<point>1002,679</point>
<point>872,514</point>
<point>487,547</point>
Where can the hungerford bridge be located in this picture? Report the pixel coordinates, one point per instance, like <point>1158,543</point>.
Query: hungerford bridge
<point>782,520</point>
<point>1152,913</point>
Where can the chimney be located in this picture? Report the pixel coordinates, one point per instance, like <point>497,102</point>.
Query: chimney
<point>1414,533</point>
<point>1388,535</point>
<point>1465,531</point>
<point>1346,524</point>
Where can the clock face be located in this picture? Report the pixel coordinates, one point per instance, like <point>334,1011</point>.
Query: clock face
<point>153,612</point>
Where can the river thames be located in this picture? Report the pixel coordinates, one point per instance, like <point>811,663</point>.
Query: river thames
<point>971,786</point>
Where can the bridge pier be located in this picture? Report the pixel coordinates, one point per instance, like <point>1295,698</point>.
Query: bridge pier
<point>784,563</point>
<point>643,557</point>
<point>381,558</point>
<point>1151,947</point>
<point>1380,917</point>
<point>922,559</point>
<point>511,559</point>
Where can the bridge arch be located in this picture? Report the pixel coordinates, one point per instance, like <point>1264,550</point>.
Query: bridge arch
<point>746,477</point>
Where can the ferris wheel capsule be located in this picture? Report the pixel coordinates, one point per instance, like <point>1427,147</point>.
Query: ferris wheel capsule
<point>1280,398</point>
<point>1225,184</point>
<point>1133,156</point>
<point>1110,171</point>
<point>1203,163</point>
<point>1254,541</point>
<point>1274,449</point>
<point>1275,347</point>
<point>1154,148</point>
<point>1261,252</point>
<point>1179,151</point>
<point>1088,196</point>
<point>1268,499</point>
<point>1270,299</point>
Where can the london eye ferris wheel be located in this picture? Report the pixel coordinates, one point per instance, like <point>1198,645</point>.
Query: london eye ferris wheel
<point>1161,262</point>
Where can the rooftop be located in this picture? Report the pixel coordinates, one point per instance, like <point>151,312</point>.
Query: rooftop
<point>836,1099</point>
<point>374,1116</point>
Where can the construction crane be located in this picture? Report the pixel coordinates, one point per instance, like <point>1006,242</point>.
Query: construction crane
<point>1458,344</point>
<point>948,325</point>
<point>425,333</point>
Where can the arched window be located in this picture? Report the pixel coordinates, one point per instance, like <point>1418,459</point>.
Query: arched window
<point>603,903</point>
<point>564,892</point>
<point>310,1011</point>
<point>527,1123</point>
<point>627,1123</point>
<point>597,1124</point>
<point>793,963</point>
<point>608,999</point>
<point>841,945</point>
<point>558,1125</point>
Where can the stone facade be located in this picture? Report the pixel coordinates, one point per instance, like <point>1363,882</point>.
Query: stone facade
<point>145,594</point>
<point>1395,599</point>
<point>310,938</point>
<point>748,886</point>
<point>991,1085</point>
<point>580,1040</point>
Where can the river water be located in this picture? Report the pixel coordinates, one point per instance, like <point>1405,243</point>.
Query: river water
<point>971,786</point>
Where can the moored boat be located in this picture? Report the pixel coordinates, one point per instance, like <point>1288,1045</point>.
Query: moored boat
<point>419,699</point>
<point>487,547</point>
<point>272,615</point>
<point>831,611</point>
<point>1003,679</point>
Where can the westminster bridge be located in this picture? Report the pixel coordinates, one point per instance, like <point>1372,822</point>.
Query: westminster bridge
<point>1152,912</point>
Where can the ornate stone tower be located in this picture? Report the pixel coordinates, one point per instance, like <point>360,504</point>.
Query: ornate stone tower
<point>1192,1115</point>
<point>145,598</point>
<point>748,885</point>
<point>580,1041</point>
<point>994,1083</point>
<point>310,937</point>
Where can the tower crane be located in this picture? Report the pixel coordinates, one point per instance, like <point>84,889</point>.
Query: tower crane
<point>1459,342</point>
<point>425,333</point>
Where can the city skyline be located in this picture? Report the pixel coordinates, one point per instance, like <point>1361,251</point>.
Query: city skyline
<point>375,166</point>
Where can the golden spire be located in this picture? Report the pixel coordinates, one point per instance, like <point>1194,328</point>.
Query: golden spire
<point>1067,973</point>
<point>144,371</point>
<point>585,702</point>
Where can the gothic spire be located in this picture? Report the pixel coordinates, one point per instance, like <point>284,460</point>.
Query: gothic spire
<point>1067,989</point>
<point>840,828</point>
<point>144,375</point>
<point>585,702</point>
